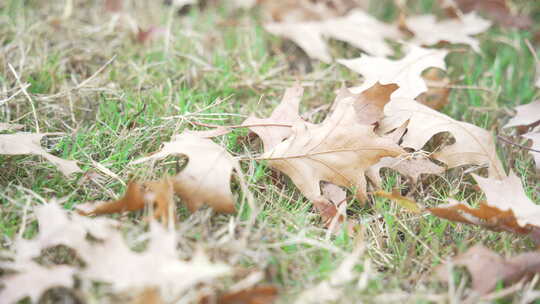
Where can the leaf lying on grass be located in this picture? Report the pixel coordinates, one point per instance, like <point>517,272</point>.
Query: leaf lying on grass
<point>473,145</point>
<point>357,28</point>
<point>108,259</point>
<point>488,268</point>
<point>428,31</point>
<point>507,207</point>
<point>207,176</point>
<point>405,72</point>
<point>29,143</point>
<point>339,151</point>
<point>496,10</point>
<point>526,115</point>
<point>138,195</point>
<point>285,113</point>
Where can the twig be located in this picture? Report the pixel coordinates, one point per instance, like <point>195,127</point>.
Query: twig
<point>517,145</point>
<point>23,88</point>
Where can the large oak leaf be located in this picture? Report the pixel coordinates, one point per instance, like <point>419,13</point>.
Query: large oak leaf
<point>339,151</point>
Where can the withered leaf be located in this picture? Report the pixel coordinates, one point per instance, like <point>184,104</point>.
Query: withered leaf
<point>29,143</point>
<point>411,166</point>
<point>339,151</point>
<point>286,113</point>
<point>207,176</point>
<point>405,72</point>
<point>159,194</point>
<point>526,115</point>
<point>33,279</point>
<point>507,207</point>
<point>428,31</point>
<point>357,28</point>
<point>473,145</point>
<point>488,268</point>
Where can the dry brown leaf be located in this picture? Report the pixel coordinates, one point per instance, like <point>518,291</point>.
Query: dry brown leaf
<point>412,167</point>
<point>286,113</point>
<point>405,72</point>
<point>428,31</point>
<point>339,151</point>
<point>488,268</point>
<point>438,93</point>
<point>356,28</point>
<point>526,115</point>
<point>207,176</point>
<point>29,143</point>
<point>369,103</point>
<point>535,137</point>
<point>159,194</point>
<point>473,145</point>
<point>507,207</point>
<point>334,206</point>
<point>497,10</point>
<point>264,294</point>
<point>33,279</point>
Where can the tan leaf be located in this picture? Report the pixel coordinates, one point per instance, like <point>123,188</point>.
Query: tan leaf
<point>334,206</point>
<point>29,143</point>
<point>412,167</point>
<point>339,151</point>
<point>264,294</point>
<point>207,176</point>
<point>405,72</point>
<point>286,113</point>
<point>535,137</point>
<point>488,268</point>
<point>357,28</point>
<point>428,31</point>
<point>526,115</point>
<point>507,207</point>
<point>33,279</point>
<point>473,145</point>
<point>308,10</point>
<point>138,195</point>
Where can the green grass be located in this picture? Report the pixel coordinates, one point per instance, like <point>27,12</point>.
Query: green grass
<point>150,92</point>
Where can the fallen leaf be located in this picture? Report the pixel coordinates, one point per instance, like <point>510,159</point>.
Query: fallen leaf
<point>29,143</point>
<point>339,151</point>
<point>507,207</point>
<point>334,206</point>
<point>405,72</point>
<point>207,176</point>
<point>403,201</point>
<point>488,268</point>
<point>411,166</point>
<point>438,93</point>
<point>428,31</point>
<point>357,28</point>
<point>526,115</point>
<point>286,113</point>
<point>312,10</point>
<point>33,279</point>
<point>473,145</point>
<point>264,294</point>
<point>138,195</point>
<point>497,10</point>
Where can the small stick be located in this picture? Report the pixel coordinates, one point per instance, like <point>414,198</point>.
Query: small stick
<point>517,145</point>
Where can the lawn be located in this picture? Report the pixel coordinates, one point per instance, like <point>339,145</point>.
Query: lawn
<point>110,99</point>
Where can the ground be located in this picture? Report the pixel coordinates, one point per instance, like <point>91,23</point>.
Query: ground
<point>115,99</point>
